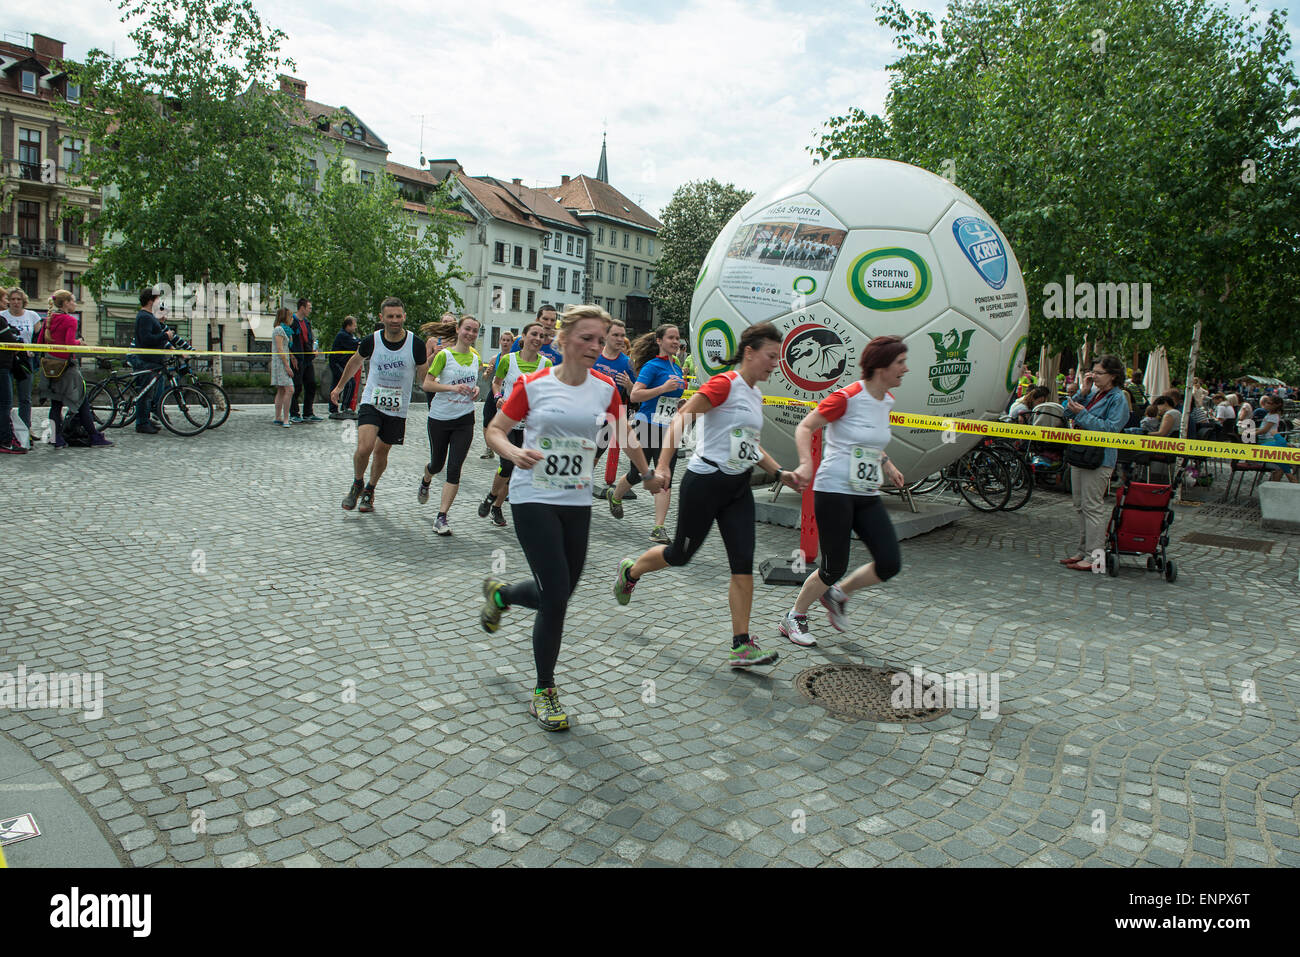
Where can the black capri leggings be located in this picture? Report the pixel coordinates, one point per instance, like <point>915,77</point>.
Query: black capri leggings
<point>839,517</point>
<point>704,498</point>
<point>489,405</point>
<point>449,441</point>
<point>554,540</point>
<point>507,468</point>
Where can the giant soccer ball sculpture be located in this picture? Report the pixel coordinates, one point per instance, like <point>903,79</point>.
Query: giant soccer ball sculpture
<point>858,248</point>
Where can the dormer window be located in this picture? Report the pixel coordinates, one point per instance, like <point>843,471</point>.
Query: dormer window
<point>29,81</point>
<point>73,94</point>
<point>346,129</point>
<point>322,124</point>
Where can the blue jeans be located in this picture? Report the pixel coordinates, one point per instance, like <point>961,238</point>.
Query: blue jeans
<point>150,400</point>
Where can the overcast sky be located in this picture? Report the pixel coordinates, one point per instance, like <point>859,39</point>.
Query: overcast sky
<point>689,89</point>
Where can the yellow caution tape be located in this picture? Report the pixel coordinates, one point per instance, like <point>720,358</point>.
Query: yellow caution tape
<point>133,351</point>
<point>1191,448</point>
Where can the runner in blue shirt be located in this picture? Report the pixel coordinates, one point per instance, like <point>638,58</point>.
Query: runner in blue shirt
<point>613,361</point>
<point>546,316</point>
<point>659,385</point>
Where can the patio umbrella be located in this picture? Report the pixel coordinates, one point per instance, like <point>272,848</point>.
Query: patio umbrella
<point>1041,369</point>
<point>1156,380</point>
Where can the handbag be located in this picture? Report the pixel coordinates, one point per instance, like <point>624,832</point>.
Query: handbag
<point>51,367</point>
<point>1084,456</point>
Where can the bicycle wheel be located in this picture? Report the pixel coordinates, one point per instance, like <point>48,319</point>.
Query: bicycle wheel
<point>185,410</point>
<point>982,480</point>
<point>1019,475</point>
<point>219,401</point>
<point>925,486</point>
<point>103,406</point>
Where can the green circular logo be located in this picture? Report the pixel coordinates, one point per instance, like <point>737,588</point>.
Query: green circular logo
<point>544,443</point>
<point>889,278</point>
<point>808,282</point>
<point>716,343</point>
<point>857,453</point>
<point>1011,369</point>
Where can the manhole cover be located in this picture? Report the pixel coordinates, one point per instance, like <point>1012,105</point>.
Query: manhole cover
<point>1226,541</point>
<point>859,691</point>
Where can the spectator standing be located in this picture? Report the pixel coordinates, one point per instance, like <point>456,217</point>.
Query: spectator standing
<point>1100,405</point>
<point>345,342</point>
<point>149,334</point>
<point>24,321</point>
<point>15,363</point>
<point>305,351</point>
<point>282,365</point>
<point>62,383</point>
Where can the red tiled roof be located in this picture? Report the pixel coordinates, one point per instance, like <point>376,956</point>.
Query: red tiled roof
<point>543,204</point>
<point>499,203</point>
<point>586,195</point>
<point>304,112</point>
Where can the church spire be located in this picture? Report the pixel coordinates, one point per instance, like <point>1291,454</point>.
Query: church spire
<point>602,171</point>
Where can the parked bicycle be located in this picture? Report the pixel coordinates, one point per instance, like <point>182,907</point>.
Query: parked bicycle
<point>184,409</point>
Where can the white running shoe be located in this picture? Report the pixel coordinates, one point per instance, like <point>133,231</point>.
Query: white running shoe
<point>836,603</point>
<point>795,627</point>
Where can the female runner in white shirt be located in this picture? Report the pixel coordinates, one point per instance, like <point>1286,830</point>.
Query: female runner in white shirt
<point>562,410</point>
<point>716,485</point>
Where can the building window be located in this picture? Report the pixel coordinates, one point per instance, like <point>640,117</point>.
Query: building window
<point>532,259</point>
<point>309,175</point>
<point>569,246</point>
<point>600,270</point>
<point>72,283</point>
<point>498,299</point>
<point>636,278</point>
<point>499,253</point>
<point>514,299</point>
<point>72,231</point>
<point>577,283</point>
<point>72,150</point>
<point>74,93</point>
<point>560,275</point>
<point>622,309</point>
<point>626,240</point>
<point>579,248</point>
<point>649,279</point>
<point>546,241</point>
<point>367,178</point>
<point>519,256</point>
<point>29,153</point>
<point>29,81</point>
<point>600,234</point>
<point>532,301</point>
<point>27,278</point>
<point>651,251</point>
<point>29,220</point>
<point>638,244</point>
<point>546,277</point>
<point>623,274</point>
<point>613,237</point>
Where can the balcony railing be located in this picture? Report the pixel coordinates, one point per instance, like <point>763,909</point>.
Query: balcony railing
<point>34,249</point>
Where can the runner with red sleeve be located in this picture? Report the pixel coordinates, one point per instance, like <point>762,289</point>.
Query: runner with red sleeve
<point>716,485</point>
<point>562,410</point>
<point>846,492</point>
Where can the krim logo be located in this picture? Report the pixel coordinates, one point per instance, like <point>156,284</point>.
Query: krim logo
<point>813,357</point>
<point>544,443</point>
<point>951,367</point>
<point>983,248</point>
<point>857,453</point>
<point>889,278</point>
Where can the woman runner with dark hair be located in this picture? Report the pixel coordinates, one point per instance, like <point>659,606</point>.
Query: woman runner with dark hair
<point>511,367</point>
<point>716,485</point>
<point>561,409</point>
<point>846,493</point>
<point>452,384</point>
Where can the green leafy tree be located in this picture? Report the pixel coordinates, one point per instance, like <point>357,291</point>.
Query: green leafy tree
<point>691,222</point>
<point>193,145</point>
<point>1145,141</point>
<point>354,244</point>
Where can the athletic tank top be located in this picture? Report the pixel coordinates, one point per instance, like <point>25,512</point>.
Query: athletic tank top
<point>514,373</point>
<point>392,372</point>
<point>562,422</point>
<point>446,406</point>
<point>853,442</point>
<point>727,435</point>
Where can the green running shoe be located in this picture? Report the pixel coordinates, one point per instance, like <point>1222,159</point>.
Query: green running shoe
<point>749,654</point>
<point>546,709</point>
<point>659,535</point>
<point>490,616</point>
<point>624,585</point>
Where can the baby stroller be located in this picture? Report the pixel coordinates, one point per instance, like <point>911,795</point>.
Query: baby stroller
<point>1046,458</point>
<point>1139,525</point>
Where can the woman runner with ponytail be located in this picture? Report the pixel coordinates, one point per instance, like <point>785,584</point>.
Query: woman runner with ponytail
<point>846,493</point>
<point>490,403</point>
<point>562,409</point>
<point>511,367</point>
<point>658,387</point>
<point>716,485</point>
<point>452,384</point>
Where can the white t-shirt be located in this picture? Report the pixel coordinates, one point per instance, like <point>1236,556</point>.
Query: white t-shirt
<point>852,445</point>
<point>1272,422</point>
<point>25,323</point>
<point>562,422</point>
<point>727,435</point>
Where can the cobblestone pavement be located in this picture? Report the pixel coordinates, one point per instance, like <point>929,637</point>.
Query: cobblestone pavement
<point>235,611</point>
